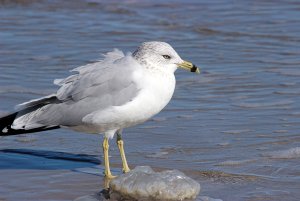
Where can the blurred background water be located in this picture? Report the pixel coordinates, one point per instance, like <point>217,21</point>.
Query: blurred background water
<point>234,128</point>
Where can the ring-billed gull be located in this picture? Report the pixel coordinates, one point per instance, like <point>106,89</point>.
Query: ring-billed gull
<point>116,92</point>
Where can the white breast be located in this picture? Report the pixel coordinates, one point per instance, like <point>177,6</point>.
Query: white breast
<point>156,95</point>
<point>156,91</point>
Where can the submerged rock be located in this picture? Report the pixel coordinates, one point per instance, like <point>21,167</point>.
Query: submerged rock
<point>142,183</point>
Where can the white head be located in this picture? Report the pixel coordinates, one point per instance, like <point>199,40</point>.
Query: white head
<point>161,55</point>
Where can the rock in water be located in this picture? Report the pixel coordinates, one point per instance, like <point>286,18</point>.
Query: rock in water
<point>142,183</point>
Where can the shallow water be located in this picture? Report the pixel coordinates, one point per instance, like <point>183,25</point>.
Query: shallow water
<point>234,128</point>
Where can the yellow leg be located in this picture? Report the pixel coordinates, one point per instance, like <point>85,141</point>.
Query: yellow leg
<point>107,172</point>
<point>122,153</point>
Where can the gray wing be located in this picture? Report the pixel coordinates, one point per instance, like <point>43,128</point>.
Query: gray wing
<point>95,87</point>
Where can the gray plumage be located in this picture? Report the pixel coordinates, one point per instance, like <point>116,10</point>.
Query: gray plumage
<point>94,87</point>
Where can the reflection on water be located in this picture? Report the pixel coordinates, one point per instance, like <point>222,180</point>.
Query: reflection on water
<point>234,128</point>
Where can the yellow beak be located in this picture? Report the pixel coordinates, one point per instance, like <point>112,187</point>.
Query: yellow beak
<point>189,66</point>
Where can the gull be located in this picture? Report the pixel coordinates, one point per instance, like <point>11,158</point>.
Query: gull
<point>104,97</point>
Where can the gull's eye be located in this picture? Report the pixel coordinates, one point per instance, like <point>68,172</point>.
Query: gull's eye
<point>166,56</point>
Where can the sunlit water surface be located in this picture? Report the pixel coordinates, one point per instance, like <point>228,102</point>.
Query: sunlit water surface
<point>235,128</point>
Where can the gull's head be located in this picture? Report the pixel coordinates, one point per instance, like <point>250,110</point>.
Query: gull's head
<point>161,55</point>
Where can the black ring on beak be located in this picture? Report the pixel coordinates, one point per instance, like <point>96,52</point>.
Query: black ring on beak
<point>194,68</point>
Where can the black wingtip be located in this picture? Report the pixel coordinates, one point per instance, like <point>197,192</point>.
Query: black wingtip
<point>9,131</point>
<point>7,121</point>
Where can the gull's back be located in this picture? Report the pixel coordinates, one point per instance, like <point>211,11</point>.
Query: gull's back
<point>95,87</point>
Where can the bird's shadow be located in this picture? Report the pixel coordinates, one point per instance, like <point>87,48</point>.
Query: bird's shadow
<point>45,160</point>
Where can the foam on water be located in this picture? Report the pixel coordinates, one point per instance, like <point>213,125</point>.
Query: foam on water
<point>234,162</point>
<point>160,154</point>
<point>285,154</point>
<point>143,183</point>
